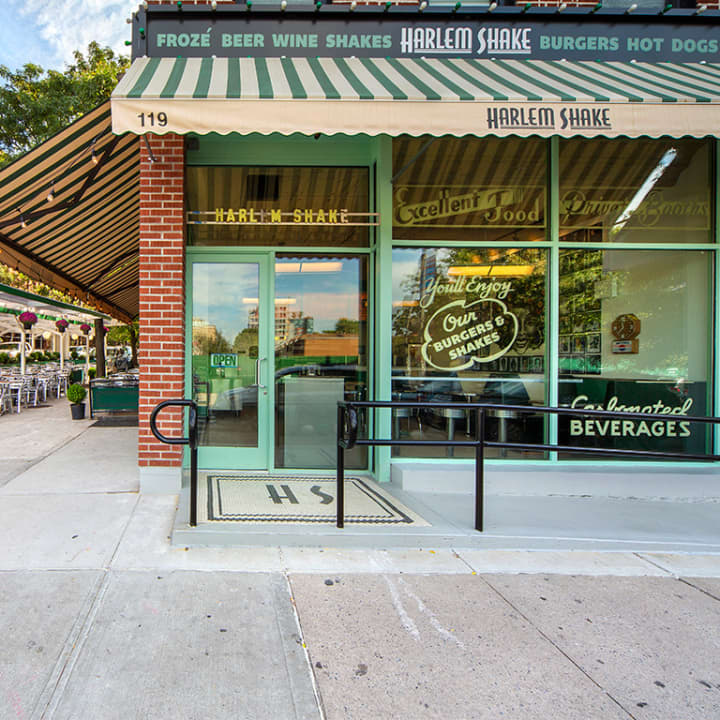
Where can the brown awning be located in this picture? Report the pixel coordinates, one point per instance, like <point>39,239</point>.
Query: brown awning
<point>69,214</point>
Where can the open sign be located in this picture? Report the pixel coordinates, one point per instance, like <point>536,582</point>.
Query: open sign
<point>223,360</point>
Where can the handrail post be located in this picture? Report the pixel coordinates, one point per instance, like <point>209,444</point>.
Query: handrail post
<point>192,437</point>
<point>193,486</point>
<point>340,477</point>
<point>190,440</point>
<point>479,468</point>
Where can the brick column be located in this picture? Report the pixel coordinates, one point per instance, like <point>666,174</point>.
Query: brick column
<point>162,304</point>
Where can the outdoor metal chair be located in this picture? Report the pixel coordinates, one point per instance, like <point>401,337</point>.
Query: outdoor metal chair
<point>63,378</point>
<point>16,389</point>
<point>5,399</point>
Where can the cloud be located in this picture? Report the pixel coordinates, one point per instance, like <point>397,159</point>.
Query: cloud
<point>69,25</point>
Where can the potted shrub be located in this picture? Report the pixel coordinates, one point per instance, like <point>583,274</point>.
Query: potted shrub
<point>76,394</point>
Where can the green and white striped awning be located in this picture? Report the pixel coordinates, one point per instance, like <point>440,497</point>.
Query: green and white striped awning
<point>70,215</point>
<point>417,96</point>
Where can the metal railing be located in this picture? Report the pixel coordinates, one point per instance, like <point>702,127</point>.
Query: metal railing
<point>347,431</point>
<point>190,440</point>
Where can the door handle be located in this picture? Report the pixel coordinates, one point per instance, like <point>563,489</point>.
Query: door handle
<point>257,373</point>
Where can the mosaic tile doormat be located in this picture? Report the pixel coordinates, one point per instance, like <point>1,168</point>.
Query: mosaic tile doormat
<point>298,499</point>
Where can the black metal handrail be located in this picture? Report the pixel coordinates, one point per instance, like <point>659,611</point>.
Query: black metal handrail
<point>347,426</point>
<point>190,440</point>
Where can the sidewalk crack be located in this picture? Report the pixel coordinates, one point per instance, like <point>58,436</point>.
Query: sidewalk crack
<point>697,587</point>
<point>54,689</point>
<point>557,647</point>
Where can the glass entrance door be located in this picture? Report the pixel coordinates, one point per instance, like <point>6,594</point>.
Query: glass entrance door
<point>321,355</point>
<point>276,341</point>
<point>231,367</point>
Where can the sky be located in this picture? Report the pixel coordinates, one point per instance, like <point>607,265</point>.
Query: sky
<point>46,32</point>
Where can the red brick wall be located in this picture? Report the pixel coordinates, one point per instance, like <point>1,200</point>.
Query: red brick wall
<point>162,295</point>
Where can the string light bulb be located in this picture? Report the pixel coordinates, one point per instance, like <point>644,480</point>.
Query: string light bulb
<point>353,5</point>
<point>422,5</point>
<point>492,6</point>
<point>51,194</point>
<point>283,5</point>
<point>700,9</point>
<point>632,8</point>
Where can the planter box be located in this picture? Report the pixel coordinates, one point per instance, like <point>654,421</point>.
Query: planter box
<point>110,398</point>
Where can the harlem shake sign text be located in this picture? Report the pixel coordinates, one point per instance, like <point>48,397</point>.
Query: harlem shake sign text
<point>520,117</point>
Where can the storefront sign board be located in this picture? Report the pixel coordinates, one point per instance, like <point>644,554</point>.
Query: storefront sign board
<point>339,33</point>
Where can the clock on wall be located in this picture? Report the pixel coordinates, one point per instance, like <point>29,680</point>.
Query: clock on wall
<point>625,329</point>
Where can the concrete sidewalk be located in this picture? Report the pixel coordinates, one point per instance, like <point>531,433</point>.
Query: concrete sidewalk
<point>103,618</point>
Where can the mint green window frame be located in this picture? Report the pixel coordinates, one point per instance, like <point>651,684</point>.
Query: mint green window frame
<point>376,153</point>
<point>553,245</point>
<point>279,150</point>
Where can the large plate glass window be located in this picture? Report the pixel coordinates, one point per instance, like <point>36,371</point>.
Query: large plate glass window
<point>469,189</point>
<point>635,190</point>
<point>635,336</point>
<point>468,322</point>
<point>468,326</point>
<point>277,206</point>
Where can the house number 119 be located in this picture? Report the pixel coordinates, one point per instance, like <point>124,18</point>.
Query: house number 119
<point>151,119</point>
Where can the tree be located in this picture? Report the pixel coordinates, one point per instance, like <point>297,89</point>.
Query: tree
<point>35,104</point>
<point>345,326</point>
<point>126,335</point>
<point>209,344</point>
<point>245,341</point>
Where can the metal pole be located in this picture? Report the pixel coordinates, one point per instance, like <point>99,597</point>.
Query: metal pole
<point>99,348</point>
<point>22,354</point>
<point>192,441</point>
<point>193,485</point>
<point>479,468</point>
<point>340,477</point>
